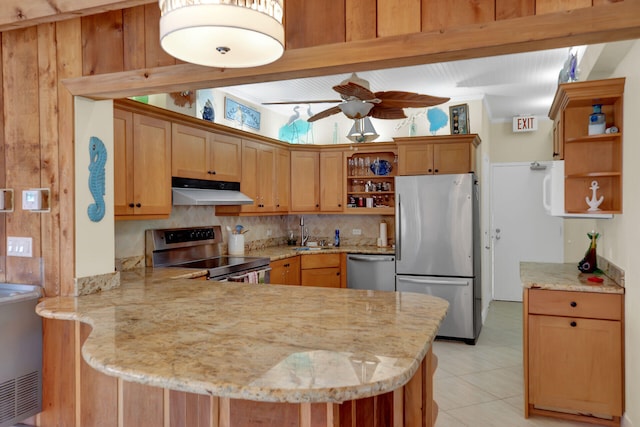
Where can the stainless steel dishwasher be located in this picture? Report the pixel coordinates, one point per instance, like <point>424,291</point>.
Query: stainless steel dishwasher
<point>376,272</point>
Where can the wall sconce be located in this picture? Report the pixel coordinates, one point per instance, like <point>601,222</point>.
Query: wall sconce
<point>6,200</point>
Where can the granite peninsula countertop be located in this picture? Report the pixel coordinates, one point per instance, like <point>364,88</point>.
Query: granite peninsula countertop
<point>270,343</point>
<point>564,277</point>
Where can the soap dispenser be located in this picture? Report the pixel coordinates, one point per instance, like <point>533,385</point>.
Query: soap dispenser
<point>336,239</point>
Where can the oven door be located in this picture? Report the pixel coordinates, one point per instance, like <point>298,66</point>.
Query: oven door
<point>257,275</point>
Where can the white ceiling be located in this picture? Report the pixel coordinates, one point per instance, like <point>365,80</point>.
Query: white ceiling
<point>523,83</point>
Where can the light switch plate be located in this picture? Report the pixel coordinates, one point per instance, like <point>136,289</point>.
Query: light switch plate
<point>19,246</point>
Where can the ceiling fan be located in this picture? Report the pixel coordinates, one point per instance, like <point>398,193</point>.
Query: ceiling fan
<point>358,101</point>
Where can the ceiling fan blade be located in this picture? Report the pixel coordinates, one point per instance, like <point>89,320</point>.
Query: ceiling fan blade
<point>319,101</point>
<point>389,113</point>
<point>408,99</point>
<point>326,113</point>
<point>354,90</point>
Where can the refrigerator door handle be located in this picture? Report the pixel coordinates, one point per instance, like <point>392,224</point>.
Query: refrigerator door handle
<point>435,281</point>
<point>399,227</point>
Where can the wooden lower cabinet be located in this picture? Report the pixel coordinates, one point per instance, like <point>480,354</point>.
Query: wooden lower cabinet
<point>574,355</point>
<point>325,270</point>
<point>286,271</point>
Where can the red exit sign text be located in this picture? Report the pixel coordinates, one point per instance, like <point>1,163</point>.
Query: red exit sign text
<point>525,124</point>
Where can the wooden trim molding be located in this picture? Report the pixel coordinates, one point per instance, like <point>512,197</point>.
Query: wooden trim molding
<point>597,24</point>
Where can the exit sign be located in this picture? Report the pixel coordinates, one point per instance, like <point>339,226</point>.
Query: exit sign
<point>525,123</point>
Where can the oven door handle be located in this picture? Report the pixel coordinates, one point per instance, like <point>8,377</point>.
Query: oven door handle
<point>242,277</point>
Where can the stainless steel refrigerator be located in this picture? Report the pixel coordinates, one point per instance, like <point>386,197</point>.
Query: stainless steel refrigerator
<point>438,246</point>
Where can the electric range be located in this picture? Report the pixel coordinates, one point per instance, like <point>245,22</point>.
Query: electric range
<point>199,248</point>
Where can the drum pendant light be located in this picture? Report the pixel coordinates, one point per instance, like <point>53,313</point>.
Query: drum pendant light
<point>223,33</point>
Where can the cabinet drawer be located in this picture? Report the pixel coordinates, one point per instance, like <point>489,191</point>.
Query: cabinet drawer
<point>575,304</point>
<point>320,261</point>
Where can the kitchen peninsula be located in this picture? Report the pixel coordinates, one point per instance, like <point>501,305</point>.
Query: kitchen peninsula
<point>256,354</point>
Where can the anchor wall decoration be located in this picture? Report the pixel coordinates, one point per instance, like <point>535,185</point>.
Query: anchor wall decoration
<point>594,202</point>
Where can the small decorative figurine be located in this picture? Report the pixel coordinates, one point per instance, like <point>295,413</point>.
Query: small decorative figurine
<point>593,202</point>
<point>589,263</point>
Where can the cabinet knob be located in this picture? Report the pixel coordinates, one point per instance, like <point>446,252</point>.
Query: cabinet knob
<point>436,171</point>
<point>338,273</point>
<point>573,304</point>
<point>138,205</point>
<point>573,324</point>
<point>211,172</point>
<point>556,154</point>
<point>277,206</point>
<point>430,170</point>
<point>317,206</point>
<point>131,205</point>
<point>339,205</point>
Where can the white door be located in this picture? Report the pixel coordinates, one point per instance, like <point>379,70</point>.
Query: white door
<point>520,228</point>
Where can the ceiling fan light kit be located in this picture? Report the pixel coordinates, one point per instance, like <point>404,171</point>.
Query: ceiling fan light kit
<point>223,33</point>
<point>356,109</point>
<point>362,131</point>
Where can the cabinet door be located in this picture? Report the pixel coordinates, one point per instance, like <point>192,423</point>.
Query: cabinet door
<point>225,158</point>
<point>190,152</point>
<point>283,176</point>
<point>324,277</point>
<point>123,162</point>
<point>452,158</point>
<point>575,364</point>
<point>305,176</point>
<point>152,165</point>
<point>331,181</point>
<point>415,159</point>
<point>286,271</point>
<point>249,181</point>
<point>266,178</point>
<point>558,141</point>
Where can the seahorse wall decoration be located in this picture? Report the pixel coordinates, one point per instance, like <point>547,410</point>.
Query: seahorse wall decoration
<point>97,161</point>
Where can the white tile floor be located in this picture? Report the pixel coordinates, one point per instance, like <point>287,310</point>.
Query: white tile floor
<point>482,385</point>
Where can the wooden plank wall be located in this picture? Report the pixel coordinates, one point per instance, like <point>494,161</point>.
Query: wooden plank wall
<point>37,129</point>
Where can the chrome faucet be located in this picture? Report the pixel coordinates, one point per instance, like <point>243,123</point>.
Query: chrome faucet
<point>304,233</point>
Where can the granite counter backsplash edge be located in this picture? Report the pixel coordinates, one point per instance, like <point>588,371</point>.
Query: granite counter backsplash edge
<point>611,270</point>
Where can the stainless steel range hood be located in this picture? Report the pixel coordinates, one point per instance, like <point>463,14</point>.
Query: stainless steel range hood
<point>198,192</point>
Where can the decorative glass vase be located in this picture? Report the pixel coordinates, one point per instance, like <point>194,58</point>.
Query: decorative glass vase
<point>589,263</point>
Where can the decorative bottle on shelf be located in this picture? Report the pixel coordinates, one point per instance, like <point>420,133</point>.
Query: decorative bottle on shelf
<point>336,239</point>
<point>597,122</point>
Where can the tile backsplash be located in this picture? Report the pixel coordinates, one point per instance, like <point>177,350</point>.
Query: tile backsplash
<point>264,231</point>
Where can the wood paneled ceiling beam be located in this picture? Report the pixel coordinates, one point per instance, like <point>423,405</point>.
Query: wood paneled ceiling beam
<point>598,24</point>
<point>16,14</point>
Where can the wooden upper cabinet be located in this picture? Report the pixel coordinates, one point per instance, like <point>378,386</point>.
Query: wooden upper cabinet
<point>589,158</point>
<point>142,165</point>
<point>201,154</point>
<point>431,155</point>
<point>331,181</point>
<point>305,180</point>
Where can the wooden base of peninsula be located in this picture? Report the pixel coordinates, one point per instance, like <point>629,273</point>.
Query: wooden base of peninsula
<point>108,401</point>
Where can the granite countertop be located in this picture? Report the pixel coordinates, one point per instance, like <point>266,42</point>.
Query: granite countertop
<point>276,253</point>
<point>564,277</point>
<point>271,343</point>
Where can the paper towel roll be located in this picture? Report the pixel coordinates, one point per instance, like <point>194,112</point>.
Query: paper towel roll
<point>383,234</point>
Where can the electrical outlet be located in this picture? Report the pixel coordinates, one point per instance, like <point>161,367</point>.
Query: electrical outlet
<point>356,231</point>
<point>19,246</point>
<point>269,233</point>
